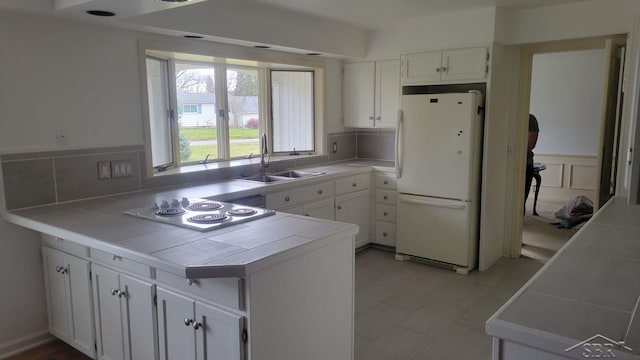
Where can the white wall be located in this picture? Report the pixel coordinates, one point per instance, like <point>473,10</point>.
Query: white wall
<point>567,21</point>
<point>81,79</point>
<point>566,98</point>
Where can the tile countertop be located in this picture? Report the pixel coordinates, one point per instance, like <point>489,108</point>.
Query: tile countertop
<point>233,251</point>
<point>590,287</point>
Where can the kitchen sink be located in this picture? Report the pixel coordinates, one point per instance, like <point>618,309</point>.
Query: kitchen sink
<point>297,174</point>
<point>266,178</point>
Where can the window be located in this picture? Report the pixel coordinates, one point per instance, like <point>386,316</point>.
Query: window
<point>292,110</point>
<point>192,108</point>
<point>223,107</point>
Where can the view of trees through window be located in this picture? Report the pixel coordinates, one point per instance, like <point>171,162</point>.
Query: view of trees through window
<point>199,98</point>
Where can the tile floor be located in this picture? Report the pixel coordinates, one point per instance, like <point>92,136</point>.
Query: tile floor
<point>412,311</point>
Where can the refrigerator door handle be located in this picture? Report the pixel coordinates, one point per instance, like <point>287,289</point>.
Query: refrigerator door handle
<point>414,200</point>
<point>399,145</point>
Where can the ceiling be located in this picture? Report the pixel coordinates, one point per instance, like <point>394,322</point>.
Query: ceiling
<point>366,14</point>
<point>376,13</point>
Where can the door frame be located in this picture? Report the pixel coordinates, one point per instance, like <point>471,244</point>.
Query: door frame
<point>515,218</point>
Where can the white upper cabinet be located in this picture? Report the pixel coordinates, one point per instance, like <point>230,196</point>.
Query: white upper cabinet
<point>371,94</point>
<point>448,66</point>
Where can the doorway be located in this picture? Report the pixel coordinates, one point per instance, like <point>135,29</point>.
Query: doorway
<point>578,133</point>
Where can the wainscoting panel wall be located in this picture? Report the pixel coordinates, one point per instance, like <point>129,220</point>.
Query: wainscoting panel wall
<point>567,176</point>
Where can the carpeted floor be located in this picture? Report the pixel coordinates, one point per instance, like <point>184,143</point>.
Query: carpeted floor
<point>540,238</point>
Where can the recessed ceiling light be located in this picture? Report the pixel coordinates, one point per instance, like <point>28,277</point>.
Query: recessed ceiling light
<point>100,13</point>
<point>193,36</point>
<point>262,47</point>
<point>313,54</point>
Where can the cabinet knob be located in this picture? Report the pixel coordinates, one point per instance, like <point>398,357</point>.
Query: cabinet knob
<point>385,182</point>
<point>58,269</point>
<point>286,198</point>
<point>121,293</point>
<point>197,325</point>
<point>444,69</point>
<point>438,69</point>
<point>354,184</point>
<point>114,292</point>
<point>385,197</point>
<point>339,207</point>
<point>63,270</point>
<point>370,117</point>
<point>385,234</point>
<point>188,322</point>
<point>378,118</point>
<point>192,282</point>
<point>385,213</point>
<point>306,214</point>
<point>116,257</point>
<point>320,191</point>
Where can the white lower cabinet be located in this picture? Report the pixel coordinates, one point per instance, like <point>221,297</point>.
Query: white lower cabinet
<point>125,316</point>
<point>190,329</point>
<point>68,295</point>
<point>353,208</point>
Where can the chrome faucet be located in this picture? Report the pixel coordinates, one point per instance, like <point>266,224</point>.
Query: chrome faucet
<point>264,150</point>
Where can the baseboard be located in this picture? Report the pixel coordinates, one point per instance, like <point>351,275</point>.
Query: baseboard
<point>25,343</point>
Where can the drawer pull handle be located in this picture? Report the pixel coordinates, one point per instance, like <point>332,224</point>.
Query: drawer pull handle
<point>192,282</point>
<point>286,198</point>
<point>116,257</point>
<point>385,197</point>
<point>306,214</point>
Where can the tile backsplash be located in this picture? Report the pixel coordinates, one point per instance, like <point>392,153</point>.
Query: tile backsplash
<point>41,178</point>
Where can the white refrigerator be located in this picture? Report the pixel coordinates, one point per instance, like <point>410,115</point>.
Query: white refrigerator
<point>439,147</point>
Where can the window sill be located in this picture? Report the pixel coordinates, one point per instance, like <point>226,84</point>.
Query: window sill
<point>295,161</point>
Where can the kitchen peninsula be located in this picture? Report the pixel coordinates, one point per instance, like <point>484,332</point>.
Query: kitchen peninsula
<point>117,286</point>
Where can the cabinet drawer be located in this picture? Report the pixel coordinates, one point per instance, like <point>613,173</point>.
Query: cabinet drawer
<point>386,181</point>
<point>121,264</point>
<point>385,233</point>
<point>385,212</point>
<point>352,183</point>
<point>293,197</point>
<point>65,245</point>
<point>386,197</point>
<point>225,291</point>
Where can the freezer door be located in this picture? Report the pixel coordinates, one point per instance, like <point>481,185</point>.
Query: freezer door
<point>436,229</point>
<point>438,145</point>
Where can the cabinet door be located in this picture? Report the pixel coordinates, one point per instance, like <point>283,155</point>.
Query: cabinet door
<point>354,209</point>
<point>81,335</point>
<point>176,335</point>
<point>464,64</point>
<point>55,292</point>
<point>107,307</point>
<point>420,68</point>
<point>358,94</point>
<point>139,320</point>
<point>323,209</point>
<point>218,334</point>
<point>387,93</point>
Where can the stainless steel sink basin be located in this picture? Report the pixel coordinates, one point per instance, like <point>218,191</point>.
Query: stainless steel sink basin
<point>266,178</point>
<point>297,174</point>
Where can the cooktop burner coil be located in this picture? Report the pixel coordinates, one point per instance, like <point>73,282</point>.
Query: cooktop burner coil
<point>242,212</point>
<point>204,206</point>
<point>208,218</point>
<point>170,212</point>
